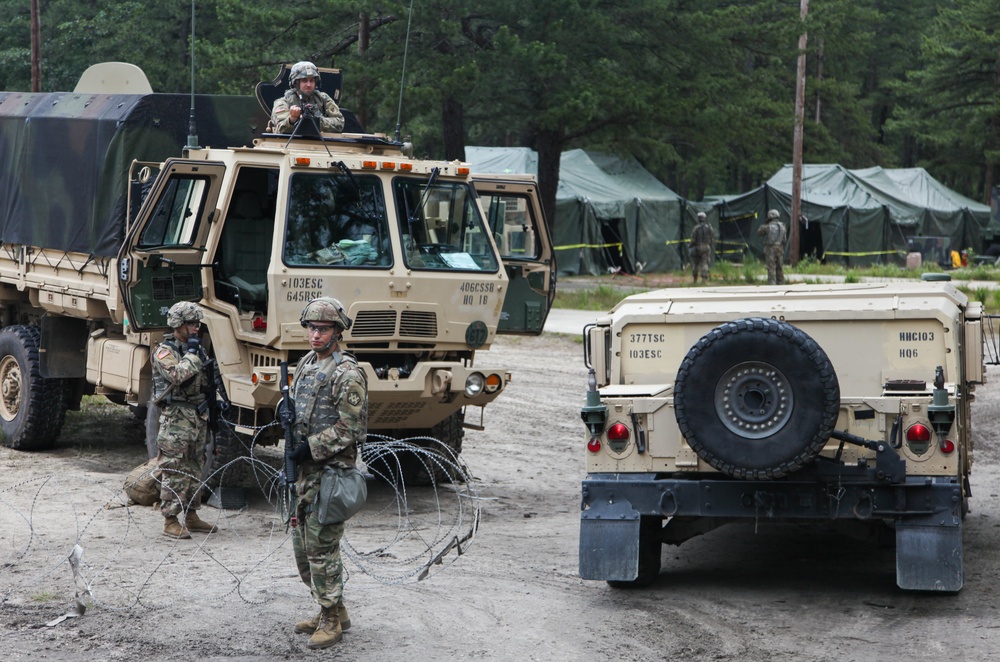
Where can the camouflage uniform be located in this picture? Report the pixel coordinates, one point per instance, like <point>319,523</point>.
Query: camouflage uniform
<point>774,248</point>
<point>700,249</point>
<point>181,438</point>
<point>331,415</point>
<point>329,117</point>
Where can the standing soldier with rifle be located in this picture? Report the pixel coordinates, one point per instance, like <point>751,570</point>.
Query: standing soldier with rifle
<point>774,247</point>
<point>328,418</point>
<point>305,100</point>
<point>179,387</point>
<point>700,248</point>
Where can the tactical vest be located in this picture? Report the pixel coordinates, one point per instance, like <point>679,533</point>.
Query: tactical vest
<point>189,393</point>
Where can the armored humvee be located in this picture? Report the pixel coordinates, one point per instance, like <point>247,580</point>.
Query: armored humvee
<point>105,223</point>
<point>802,403</point>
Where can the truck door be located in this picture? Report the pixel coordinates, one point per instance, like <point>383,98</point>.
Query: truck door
<point>514,215</point>
<point>164,251</point>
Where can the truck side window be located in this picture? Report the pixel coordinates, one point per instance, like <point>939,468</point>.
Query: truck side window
<point>512,224</point>
<point>336,220</point>
<point>442,226</point>
<point>174,221</point>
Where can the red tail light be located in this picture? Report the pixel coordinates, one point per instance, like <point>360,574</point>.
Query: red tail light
<point>618,432</point>
<point>947,446</point>
<point>918,432</point>
<point>594,445</point>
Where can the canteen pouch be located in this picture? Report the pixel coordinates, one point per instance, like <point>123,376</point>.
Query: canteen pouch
<point>342,493</point>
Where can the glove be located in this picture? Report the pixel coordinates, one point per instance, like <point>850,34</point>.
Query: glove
<point>301,452</point>
<point>285,414</point>
<point>193,345</point>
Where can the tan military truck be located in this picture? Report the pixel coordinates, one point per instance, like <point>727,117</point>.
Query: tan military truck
<point>430,262</point>
<point>804,403</point>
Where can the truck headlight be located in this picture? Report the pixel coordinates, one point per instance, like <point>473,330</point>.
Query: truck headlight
<point>474,384</point>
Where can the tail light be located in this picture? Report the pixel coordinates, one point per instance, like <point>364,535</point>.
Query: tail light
<point>918,432</point>
<point>594,445</point>
<point>618,432</point>
<point>947,446</point>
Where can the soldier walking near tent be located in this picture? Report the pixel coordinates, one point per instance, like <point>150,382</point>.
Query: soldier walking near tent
<point>700,249</point>
<point>774,247</point>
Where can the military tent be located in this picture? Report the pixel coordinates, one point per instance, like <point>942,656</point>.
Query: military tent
<point>611,213</point>
<point>857,216</point>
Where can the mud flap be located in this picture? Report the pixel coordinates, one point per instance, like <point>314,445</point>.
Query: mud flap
<point>929,558</point>
<point>609,543</point>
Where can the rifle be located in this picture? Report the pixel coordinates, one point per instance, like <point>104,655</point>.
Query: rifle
<point>290,473</point>
<point>214,389</point>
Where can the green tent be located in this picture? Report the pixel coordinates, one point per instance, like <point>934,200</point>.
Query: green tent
<point>611,213</point>
<point>859,217</point>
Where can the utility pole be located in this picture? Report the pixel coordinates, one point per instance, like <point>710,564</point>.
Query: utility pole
<point>800,108</point>
<point>36,49</point>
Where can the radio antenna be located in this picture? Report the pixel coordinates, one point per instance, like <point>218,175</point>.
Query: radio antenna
<point>402,80</point>
<point>192,142</point>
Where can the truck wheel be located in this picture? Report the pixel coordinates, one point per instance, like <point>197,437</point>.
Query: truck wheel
<point>756,398</point>
<point>434,462</point>
<point>227,450</point>
<point>32,409</point>
<point>650,550</point>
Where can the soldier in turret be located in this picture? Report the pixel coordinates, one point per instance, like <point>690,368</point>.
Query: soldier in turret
<point>179,382</point>
<point>305,100</point>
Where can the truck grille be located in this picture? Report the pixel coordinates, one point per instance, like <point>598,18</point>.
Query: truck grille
<point>380,323</point>
<point>394,413</point>
<point>369,323</point>
<point>418,324</point>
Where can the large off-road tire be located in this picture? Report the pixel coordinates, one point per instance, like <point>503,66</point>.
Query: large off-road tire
<point>226,462</point>
<point>434,463</point>
<point>756,398</point>
<point>32,408</point>
<point>650,551</point>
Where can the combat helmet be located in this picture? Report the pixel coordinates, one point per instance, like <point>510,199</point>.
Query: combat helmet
<point>325,309</point>
<point>701,216</point>
<point>772,215</point>
<point>302,70</point>
<point>183,311</point>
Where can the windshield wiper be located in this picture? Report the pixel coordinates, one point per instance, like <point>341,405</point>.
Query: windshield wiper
<point>423,196</point>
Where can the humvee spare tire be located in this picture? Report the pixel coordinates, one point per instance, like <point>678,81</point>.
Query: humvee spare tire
<point>756,398</point>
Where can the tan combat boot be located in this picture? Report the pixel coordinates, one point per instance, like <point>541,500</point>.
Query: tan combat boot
<point>174,529</point>
<point>329,632</point>
<point>198,525</point>
<point>309,625</point>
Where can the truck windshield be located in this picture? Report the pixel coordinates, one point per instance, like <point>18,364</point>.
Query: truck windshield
<point>441,226</point>
<point>336,220</point>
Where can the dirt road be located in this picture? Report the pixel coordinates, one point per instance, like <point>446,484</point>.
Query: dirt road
<point>775,593</point>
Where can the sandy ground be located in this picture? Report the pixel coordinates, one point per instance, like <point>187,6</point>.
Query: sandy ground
<point>774,593</point>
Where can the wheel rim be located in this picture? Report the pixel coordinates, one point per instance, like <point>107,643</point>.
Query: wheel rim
<point>10,388</point>
<point>754,400</point>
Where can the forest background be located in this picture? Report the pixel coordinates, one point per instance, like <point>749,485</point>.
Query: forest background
<point>700,91</point>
